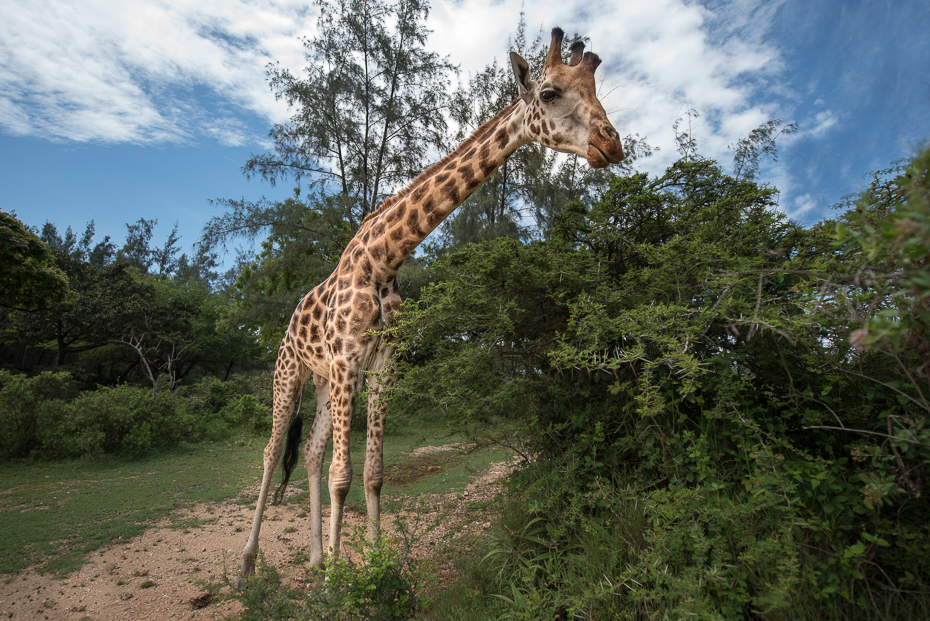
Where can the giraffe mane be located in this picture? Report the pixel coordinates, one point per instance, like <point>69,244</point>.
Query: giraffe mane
<point>478,134</point>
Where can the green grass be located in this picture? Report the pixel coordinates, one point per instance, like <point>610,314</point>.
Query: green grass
<point>53,514</point>
<point>397,447</point>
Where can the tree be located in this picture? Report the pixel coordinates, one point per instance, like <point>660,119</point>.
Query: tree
<point>104,300</point>
<point>370,107</point>
<point>29,279</point>
<point>369,112</point>
<point>136,251</point>
<point>304,240</point>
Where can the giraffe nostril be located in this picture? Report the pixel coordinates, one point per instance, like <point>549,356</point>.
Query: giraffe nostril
<point>609,132</point>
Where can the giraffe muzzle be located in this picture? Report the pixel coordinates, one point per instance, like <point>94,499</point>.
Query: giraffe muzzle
<point>604,147</point>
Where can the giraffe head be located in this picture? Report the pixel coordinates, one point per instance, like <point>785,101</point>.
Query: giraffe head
<point>563,111</point>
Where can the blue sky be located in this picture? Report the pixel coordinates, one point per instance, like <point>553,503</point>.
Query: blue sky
<point>114,111</point>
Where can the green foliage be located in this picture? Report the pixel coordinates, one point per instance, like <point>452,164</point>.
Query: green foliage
<point>46,420</point>
<point>676,366</point>
<point>24,410</point>
<point>380,586</point>
<point>305,239</point>
<point>886,238</point>
<point>366,106</point>
<point>30,279</point>
<point>123,419</point>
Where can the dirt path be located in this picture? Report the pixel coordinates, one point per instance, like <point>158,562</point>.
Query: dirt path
<point>158,576</point>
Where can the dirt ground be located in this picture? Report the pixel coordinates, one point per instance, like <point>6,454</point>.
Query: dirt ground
<point>158,576</point>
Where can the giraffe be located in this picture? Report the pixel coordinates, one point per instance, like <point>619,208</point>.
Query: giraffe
<point>333,333</point>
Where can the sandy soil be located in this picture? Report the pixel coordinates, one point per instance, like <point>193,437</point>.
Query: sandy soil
<point>159,576</point>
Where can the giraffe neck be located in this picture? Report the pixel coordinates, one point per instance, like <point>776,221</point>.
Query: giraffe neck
<point>404,220</point>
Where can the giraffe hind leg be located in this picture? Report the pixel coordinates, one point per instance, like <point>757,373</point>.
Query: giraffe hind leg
<point>294,435</point>
<point>288,385</point>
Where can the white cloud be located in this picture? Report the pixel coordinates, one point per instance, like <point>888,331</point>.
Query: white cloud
<point>661,58</point>
<point>96,70</point>
<point>137,71</point>
<point>803,206</point>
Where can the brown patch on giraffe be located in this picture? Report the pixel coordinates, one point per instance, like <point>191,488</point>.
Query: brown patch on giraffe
<point>365,305</point>
<point>502,138</point>
<point>315,333</point>
<point>451,190</point>
<point>397,234</point>
<point>408,245</point>
<point>363,277</point>
<point>467,173</point>
<point>441,178</point>
<point>413,222</point>
<point>534,128</point>
<point>558,137</point>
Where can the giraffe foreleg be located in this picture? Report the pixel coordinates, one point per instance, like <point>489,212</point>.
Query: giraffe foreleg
<point>379,379</point>
<point>314,452</point>
<point>342,386</point>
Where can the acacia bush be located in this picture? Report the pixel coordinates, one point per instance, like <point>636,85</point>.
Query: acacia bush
<point>23,409</point>
<point>47,418</point>
<point>723,414</point>
<point>123,419</point>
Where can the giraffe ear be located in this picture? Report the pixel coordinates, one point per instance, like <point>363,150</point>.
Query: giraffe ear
<point>521,70</point>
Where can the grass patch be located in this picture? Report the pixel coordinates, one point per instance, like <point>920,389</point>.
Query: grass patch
<point>452,468</point>
<point>53,514</point>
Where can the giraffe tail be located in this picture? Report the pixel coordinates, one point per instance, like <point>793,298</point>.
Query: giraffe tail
<point>294,435</point>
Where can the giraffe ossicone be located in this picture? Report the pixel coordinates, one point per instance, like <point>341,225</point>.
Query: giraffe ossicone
<point>334,333</point>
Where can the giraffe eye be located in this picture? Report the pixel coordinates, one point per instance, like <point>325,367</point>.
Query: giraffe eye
<point>548,96</point>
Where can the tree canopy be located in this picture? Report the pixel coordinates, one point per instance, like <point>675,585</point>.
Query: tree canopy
<point>29,279</point>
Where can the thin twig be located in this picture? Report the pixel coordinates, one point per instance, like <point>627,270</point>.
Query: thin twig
<point>870,433</point>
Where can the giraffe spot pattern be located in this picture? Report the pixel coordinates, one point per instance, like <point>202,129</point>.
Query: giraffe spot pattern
<point>501,137</point>
<point>451,190</point>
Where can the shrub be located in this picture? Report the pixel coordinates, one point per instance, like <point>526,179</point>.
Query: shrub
<point>123,419</point>
<point>24,407</point>
<point>248,414</point>
<point>380,587</point>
